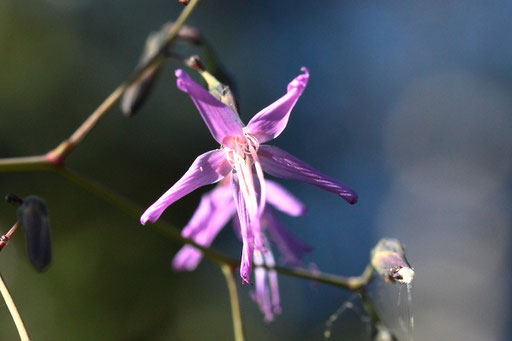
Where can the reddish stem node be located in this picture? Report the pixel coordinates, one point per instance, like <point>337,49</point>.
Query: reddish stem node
<point>6,237</point>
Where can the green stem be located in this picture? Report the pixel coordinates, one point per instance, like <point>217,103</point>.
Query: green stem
<point>170,231</point>
<point>27,163</point>
<point>349,283</point>
<point>22,331</point>
<point>235,303</point>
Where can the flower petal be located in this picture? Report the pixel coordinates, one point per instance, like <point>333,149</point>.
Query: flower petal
<point>283,200</point>
<point>223,123</point>
<point>273,282</point>
<point>207,169</point>
<point>214,211</point>
<point>187,259</point>
<point>246,228</point>
<point>271,121</point>
<point>262,292</point>
<point>281,164</point>
<point>215,208</point>
<point>291,248</point>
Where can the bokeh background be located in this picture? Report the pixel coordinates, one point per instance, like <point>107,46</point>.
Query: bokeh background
<point>409,103</point>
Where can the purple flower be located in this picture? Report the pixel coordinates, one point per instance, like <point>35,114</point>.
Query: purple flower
<point>214,211</point>
<point>243,155</point>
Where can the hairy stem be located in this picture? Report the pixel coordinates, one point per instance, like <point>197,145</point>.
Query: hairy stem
<point>235,303</point>
<point>22,331</point>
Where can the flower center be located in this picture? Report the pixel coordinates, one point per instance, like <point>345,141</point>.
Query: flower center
<point>243,150</point>
<point>243,158</point>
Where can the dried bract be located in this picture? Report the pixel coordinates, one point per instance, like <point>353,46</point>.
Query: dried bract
<point>388,259</point>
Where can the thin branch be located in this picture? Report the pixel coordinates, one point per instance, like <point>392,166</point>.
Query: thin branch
<point>24,163</point>
<point>170,231</point>
<point>235,303</point>
<point>349,283</point>
<point>5,238</point>
<point>57,156</point>
<point>22,331</point>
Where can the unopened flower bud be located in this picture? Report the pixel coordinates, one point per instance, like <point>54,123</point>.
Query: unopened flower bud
<point>33,215</point>
<point>388,259</point>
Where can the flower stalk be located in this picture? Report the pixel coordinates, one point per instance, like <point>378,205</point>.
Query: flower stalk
<point>22,331</point>
<point>6,237</point>
<point>236,313</point>
<point>16,317</point>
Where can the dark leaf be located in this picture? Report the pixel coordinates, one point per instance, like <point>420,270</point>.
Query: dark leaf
<point>33,215</point>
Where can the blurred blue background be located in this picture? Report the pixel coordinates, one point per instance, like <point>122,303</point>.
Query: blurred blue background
<point>408,103</point>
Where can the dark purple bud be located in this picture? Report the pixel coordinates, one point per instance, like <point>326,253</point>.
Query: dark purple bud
<point>33,215</point>
<point>388,259</point>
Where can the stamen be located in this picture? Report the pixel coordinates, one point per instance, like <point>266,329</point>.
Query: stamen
<point>242,157</point>
<point>273,283</point>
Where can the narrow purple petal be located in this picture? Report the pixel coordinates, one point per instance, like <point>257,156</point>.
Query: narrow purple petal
<point>283,200</point>
<point>207,169</point>
<point>245,229</point>
<point>262,294</point>
<point>246,262</point>
<point>215,208</point>
<point>271,121</point>
<point>236,227</point>
<point>291,248</point>
<point>200,218</point>
<point>223,123</point>
<point>273,282</point>
<point>187,259</point>
<point>214,211</point>
<point>281,164</point>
